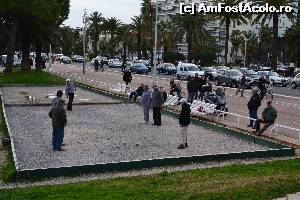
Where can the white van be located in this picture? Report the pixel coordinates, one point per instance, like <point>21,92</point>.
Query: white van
<point>187,71</point>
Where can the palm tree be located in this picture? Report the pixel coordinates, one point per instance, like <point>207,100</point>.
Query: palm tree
<point>137,28</point>
<point>125,36</point>
<point>292,41</point>
<point>228,18</point>
<point>191,26</point>
<point>167,36</point>
<point>252,46</point>
<point>261,17</point>
<point>112,25</point>
<point>95,29</point>
<point>265,38</point>
<point>236,40</point>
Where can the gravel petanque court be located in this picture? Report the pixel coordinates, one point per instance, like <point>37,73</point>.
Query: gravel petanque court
<point>106,133</point>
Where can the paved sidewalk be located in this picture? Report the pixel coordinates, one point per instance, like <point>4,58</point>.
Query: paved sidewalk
<point>295,196</point>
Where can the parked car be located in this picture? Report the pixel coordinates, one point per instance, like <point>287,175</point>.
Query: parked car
<point>145,62</point>
<point>66,60</point>
<point>232,78</point>
<point>187,71</point>
<point>274,78</point>
<point>251,74</point>
<point>211,72</point>
<point>17,61</point>
<point>296,82</point>
<point>166,68</point>
<point>139,68</point>
<point>77,59</point>
<point>59,57</point>
<point>286,71</point>
<point>114,63</point>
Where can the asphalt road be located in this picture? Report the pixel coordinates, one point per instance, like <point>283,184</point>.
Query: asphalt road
<point>286,91</point>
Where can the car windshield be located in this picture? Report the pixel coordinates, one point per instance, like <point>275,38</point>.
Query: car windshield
<point>273,74</point>
<point>115,60</point>
<point>192,68</point>
<point>250,72</point>
<point>211,70</point>
<point>170,66</point>
<point>140,65</point>
<point>235,73</point>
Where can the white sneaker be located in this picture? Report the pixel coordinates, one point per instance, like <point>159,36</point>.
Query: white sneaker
<point>144,122</point>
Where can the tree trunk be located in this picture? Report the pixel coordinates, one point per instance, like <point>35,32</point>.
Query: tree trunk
<point>25,64</point>
<point>11,49</point>
<point>124,53</point>
<point>189,38</point>
<point>274,42</point>
<point>226,40</point>
<point>38,59</point>
<point>139,40</point>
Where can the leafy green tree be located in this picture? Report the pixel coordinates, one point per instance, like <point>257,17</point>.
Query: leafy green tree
<point>173,57</point>
<point>228,18</point>
<point>95,28</point>
<point>292,42</point>
<point>191,26</point>
<point>167,36</point>
<point>262,17</point>
<point>252,46</point>
<point>265,41</point>
<point>138,31</point>
<point>112,25</point>
<point>236,40</point>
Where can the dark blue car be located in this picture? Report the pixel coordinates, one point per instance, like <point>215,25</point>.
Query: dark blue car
<point>166,68</point>
<point>139,68</point>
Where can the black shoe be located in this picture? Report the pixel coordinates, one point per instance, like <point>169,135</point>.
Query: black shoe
<point>154,124</point>
<point>61,149</point>
<point>63,144</point>
<point>249,125</point>
<point>186,145</point>
<point>253,128</point>
<point>181,146</point>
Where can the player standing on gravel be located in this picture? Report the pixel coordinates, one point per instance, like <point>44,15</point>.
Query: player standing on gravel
<point>55,101</point>
<point>146,99</point>
<point>184,122</point>
<point>70,89</point>
<point>59,121</point>
<point>157,102</point>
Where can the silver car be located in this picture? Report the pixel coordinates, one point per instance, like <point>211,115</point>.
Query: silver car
<point>296,82</point>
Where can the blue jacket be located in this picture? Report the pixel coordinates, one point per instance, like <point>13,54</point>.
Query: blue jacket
<point>70,88</point>
<point>146,98</point>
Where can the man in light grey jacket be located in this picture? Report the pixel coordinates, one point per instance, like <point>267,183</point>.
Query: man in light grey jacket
<point>157,102</point>
<point>146,100</point>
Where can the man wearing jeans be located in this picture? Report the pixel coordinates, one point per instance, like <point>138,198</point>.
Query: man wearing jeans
<point>253,106</point>
<point>59,121</point>
<point>146,99</point>
<point>70,89</point>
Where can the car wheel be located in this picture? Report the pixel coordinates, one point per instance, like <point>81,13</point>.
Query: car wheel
<point>189,78</point>
<point>169,73</point>
<point>233,84</point>
<point>294,85</point>
<point>178,77</point>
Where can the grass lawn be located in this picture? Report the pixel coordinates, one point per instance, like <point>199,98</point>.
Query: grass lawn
<point>255,181</point>
<point>30,78</point>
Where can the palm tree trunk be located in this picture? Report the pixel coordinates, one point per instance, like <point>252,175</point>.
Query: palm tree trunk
<point>11,49</point>
<point>38,59</point>
<point>25,64</point>
<point>274,42</point>
<point>227,39</point>
<point>124,53</point>
<point>189,36</point>
<point>139,47</point>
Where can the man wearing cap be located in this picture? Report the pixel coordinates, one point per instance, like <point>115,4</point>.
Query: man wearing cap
<point>55,100</point>
<point>253,106</point>
<point>70,89</point>
<point>59,121</point>
<point>269,116</point>
<point>157,102</point>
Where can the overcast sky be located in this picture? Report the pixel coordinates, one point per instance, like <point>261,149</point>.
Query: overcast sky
<point>121,9</point>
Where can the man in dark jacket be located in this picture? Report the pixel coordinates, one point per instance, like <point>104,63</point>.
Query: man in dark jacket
<point>59,121</point>
<point>184,122</point>
<point>241,87</point>
<point>269,116</point>
<point>200,82</point>
<point>157,102</point>
<point>70,90</point>
<point>127,78</point>
<point>262,86</point>
<point>253,106</point>
<point>192,90</point>
<point>137,93</point>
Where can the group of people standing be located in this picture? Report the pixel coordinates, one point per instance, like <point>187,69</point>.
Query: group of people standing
<point>59,116</point>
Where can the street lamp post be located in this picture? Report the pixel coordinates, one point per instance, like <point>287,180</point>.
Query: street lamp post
<point>245,53</point>
<point>155,45</point>
<point>84,36</point>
